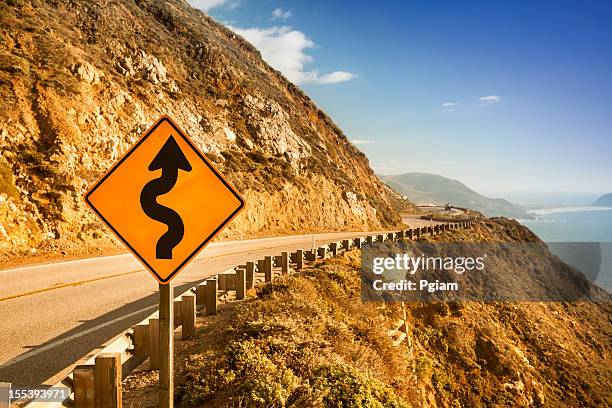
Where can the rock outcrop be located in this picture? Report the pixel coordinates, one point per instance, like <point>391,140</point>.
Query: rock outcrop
<point>80,81</point>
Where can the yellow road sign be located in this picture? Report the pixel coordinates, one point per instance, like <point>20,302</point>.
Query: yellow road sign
<point>164,200</point>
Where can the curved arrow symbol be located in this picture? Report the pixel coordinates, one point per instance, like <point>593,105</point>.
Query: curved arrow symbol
<point>169,159</point>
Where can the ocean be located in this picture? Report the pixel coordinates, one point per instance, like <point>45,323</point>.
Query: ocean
<point>591,226</point>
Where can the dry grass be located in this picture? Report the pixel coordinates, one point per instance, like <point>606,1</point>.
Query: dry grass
<point>307,340</point>
<point>303,341</point>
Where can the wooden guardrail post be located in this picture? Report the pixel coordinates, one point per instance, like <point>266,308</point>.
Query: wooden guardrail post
<point>83,384</point>
<point>241,284</point>
<point>299,259</point>
<point>321,252</point>
<point>188,310</point>
<point>311,255</point>
<point>411,234</point>
<point>153,343</point>
<point>284,262</point>
<point>177,310</point>
<point>201,294</point>
<point>358,242</point>
<point>211,297</point>
<point>391,236</point>
<point>5,395</point>
<point>250,275</point>
<point>268,269</point>
<point>261,266</point>
<point>141,341</point>
<point>230,281</point>
<point>108,380</point>
<point>380,238</point>
<point>333,249</point>
<point>221,281</point>
<point>346,244</point>
<point>277,261</point>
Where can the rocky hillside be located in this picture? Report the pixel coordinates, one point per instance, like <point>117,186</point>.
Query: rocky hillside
<point>427,189</point>
<point>80,80</point>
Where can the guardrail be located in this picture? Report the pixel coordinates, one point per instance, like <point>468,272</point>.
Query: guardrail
<point>97,382</point>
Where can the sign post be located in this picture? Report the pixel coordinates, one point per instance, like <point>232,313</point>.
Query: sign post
<point>165,201</point>
<point>166,343</point>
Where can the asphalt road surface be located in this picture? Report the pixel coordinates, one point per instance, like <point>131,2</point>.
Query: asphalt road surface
<point>54,315</point>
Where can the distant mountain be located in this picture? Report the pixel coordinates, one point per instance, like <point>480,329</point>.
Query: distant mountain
<point>424,188</point>
<point>604,201</point>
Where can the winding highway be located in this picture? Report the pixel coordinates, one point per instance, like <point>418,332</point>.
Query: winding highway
<point>55,315</point>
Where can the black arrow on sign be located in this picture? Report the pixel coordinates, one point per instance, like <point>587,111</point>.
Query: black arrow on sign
<point>169,159</point>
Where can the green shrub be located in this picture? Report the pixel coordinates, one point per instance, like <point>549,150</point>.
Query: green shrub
<point>346,387</point>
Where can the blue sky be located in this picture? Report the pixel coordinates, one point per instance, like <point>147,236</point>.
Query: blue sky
<point>505,96</point>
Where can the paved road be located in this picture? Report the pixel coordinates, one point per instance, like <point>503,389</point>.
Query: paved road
<point>54,314</point>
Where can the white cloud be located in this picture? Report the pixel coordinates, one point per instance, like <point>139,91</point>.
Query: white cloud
<point>335,77</point>
<point>285,49</point>
<point>206,5</point>
<point>280,14</point>
<point>490,99</point>
<point>362,141</point>
<point>450,104</point>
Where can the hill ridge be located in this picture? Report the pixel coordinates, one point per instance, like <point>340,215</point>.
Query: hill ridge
<point>427,188</point>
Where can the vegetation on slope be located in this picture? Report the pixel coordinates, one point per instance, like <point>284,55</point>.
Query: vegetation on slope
<point>306,340</point>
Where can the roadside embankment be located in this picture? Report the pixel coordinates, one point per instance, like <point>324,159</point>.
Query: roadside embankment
<point>306,339</point>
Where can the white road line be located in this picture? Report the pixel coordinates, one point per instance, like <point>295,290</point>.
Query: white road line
<point>49,346</point>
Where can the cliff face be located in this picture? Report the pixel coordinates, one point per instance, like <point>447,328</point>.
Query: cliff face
<point>81,80</point>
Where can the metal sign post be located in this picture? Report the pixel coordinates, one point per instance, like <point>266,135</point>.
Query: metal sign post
<point>166,345</point>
